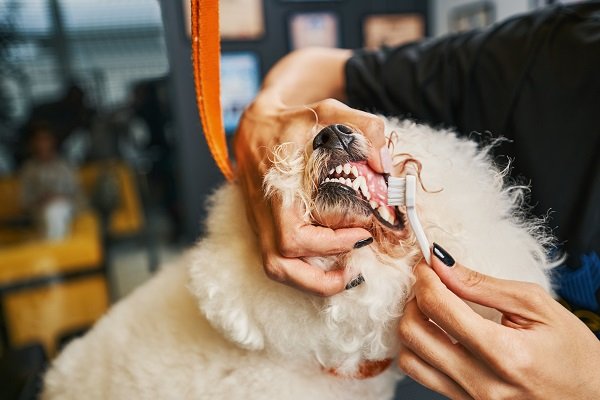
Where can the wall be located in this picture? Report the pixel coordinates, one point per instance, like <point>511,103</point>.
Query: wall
<point>440,11</point>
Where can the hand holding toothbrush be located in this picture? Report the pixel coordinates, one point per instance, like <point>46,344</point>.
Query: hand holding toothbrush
<point>539,351</point>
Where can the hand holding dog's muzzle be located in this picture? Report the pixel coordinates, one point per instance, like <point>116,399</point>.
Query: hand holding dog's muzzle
<point>284,235</point>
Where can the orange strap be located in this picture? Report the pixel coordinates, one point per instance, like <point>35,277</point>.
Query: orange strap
<point>206,51</point>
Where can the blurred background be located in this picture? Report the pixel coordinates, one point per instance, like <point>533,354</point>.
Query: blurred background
<point>103,167</point>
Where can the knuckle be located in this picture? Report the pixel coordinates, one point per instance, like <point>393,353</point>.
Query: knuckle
<point>427,301</point>
<point>404,329</point>
<point>274,271</point>
<point>289,245</point>
<point>500,392</point>
<point>328,105</point>
<point>536,295</point>
<point>473,279</point>
<point>407,362</point>
<point>374,124</point>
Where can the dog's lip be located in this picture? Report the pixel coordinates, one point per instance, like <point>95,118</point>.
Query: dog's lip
<point>368,185</point>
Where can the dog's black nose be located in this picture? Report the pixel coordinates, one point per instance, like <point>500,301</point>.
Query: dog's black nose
<point>334,137</point>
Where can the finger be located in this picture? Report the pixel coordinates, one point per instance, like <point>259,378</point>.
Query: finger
<point>294,271</point>
<point>301,275</point>
<point>433,346</point>
<point>452,314</point>
<point>523,299</point>
<point>297,238</point>
<point>429,377</point>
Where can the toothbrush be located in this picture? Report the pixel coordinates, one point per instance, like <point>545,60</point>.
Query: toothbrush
<point>402,192</point>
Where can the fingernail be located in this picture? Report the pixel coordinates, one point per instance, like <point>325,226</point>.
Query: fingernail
<point>355,282</point>
<point>386,160</point>
<point>363,243</point>
<point>442,255</point>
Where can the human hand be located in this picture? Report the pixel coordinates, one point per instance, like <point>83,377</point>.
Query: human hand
<point>284,236</point>
<point>538,351</point>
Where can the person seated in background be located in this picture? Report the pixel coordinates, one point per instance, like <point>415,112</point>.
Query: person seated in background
<point>50,191</point>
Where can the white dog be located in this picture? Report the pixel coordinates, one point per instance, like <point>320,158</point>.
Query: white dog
<point>215,327</point>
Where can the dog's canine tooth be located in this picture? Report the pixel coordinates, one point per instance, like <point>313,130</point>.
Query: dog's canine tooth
<point>363,188</point>
<point>384,213</point>
<point>347,168</point>
<point>339,169</point>
<point>373,204</point>
<point>356,184</point>
<point>331,171</point>
<point>392,219</point>
<point>354,171</point>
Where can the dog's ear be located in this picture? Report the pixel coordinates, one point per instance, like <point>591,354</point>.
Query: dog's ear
<point>220,299</point>
<point>232,319</point>
<point>224,268</point>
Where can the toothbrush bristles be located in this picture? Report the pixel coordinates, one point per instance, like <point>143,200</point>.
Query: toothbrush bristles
<point>396,191</point>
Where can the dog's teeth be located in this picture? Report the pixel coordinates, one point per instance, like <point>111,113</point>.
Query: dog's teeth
<point>384,213</point>
<point>331,171</point>
<point>339,169</point>
<point>373,204</point>
<point>359,183</point>
<point>347,168</point>
<point>354,171</point>
<point>363,188</point>
<point>392,219</point>
<point>348,182</point>
<point>327,179</point>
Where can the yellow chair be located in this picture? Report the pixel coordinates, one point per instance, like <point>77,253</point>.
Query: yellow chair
<point>51,288</point>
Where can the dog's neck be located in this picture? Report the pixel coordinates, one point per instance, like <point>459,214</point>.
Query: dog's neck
<point>340,332</point>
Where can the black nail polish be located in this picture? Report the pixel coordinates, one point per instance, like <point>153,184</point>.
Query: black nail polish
<point>355,282</point>
<point>443,255</point>
<point>363,243</point>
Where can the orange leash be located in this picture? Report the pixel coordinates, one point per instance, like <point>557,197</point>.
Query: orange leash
<point>206,53</point>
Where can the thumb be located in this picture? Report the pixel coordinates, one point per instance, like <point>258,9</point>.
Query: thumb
<point>525,299</point>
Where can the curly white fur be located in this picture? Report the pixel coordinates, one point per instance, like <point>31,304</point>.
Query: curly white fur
<point>215,327</point>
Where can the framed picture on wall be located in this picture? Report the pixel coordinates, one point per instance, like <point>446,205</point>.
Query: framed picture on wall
<point>240,80</point>
<point>392,29</point>
<point>238,19</point>
<point>478,14</point>
<point>314,29</point>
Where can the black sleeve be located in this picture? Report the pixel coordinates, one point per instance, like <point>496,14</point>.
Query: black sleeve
<point>469,81</point>
<point>534,79</point>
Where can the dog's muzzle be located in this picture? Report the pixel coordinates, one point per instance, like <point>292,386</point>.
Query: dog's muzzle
<point>346,183</point>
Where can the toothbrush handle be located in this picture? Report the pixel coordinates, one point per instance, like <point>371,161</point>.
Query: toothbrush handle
<point>415,224</point>
<point>413,219</point>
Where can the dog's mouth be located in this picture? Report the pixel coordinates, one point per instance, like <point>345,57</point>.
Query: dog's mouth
<point>366,186</point>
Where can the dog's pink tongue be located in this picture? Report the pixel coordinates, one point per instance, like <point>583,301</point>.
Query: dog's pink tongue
<point>375,182</point>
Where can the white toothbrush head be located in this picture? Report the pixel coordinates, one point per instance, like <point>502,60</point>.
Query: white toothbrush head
<point>403,192</point>
<point>396,191</point>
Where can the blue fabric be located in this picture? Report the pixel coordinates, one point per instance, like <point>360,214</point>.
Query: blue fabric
<point>579,286</point>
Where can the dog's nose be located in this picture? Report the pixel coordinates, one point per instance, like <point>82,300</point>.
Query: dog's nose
<point>336,136</point>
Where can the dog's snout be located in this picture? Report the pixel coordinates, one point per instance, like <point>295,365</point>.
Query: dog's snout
<point>336,136</point>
